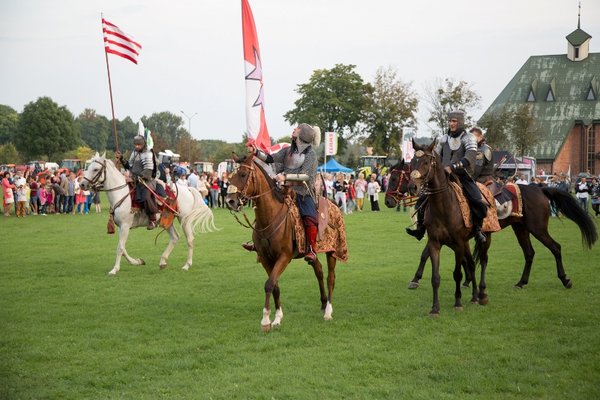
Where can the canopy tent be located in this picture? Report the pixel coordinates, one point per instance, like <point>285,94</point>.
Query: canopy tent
<point>334,166</point>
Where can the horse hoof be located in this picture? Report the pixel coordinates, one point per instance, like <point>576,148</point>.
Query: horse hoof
<point>162,266</point>
<point>413,285</point>
<point>568,284</point>
<point>518,286</point>
<point>458,308</point>
<point>474,301</point>
<point>465,284</point>
<point>484,300</point>
<point>112,274</point>
<point>434,314</point>
<point>142,262</point>
<point>327,317</point>
<point>185,268</point>
<point>265,328</point>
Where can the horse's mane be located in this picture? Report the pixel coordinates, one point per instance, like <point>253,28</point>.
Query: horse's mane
<point>272,185</point>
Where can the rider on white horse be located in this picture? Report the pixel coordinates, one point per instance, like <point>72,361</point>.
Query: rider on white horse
<point>142,167</point>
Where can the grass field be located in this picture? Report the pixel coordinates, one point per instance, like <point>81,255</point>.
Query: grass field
<point>70,332</point>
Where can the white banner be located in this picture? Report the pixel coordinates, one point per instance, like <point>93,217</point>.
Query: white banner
<point>330,143</point>
<point>408,152</point>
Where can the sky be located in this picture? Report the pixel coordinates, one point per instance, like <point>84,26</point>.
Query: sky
<point>192,58</point>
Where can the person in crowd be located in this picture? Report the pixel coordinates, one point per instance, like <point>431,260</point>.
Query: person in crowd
<point>341,187</point>
<point>34,199</point>
<point>214,190</point>
<point>329,186</point>
<point>96,202</point>
<point>21,199</point>
<point>373,190</point>
<point>80,197</point>
<point>64,197</point>
<point>193,179</point>
<point>351,196</point>
<point>7,192</point>
<point>223,186</point>
<point>595,195</point>
<point>42,195</point>
<point>361,188</point>
<point>71,191</point>
<point>582,191</point>
<point>522,180</point>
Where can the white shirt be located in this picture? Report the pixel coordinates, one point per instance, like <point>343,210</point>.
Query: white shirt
<point>582,195</point>
<point>373,188</point>
<point>521,182</point>
<point>193,180</point>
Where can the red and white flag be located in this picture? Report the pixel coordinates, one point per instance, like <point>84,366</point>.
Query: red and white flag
<point>119,43</point>
<point>256,125</point>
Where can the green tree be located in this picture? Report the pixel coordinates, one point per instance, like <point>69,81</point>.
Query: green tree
<point>9,154</point>
<point>333,99</point>
<point>168,126</point>
<point>447,95</point>
<point>127,130</point>
<point>525,134</point>
<point>391,106</point>
<point>9,123</point>
<point>497,128</point>
<point>46,129</point>
<point>94,129</point>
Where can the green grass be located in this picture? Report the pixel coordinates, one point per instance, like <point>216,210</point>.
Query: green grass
<point>70,332</point>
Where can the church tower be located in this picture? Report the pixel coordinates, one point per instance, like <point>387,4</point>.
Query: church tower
<point>578,42</point>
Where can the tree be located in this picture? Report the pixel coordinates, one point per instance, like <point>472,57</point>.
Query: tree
<point>447,95</point>
<point>390,107</point>
<point>168,126</point>
<point>9,123</point>
<point>525,135</point>
<point>333,99</point>
<point>9,154</point>
<point>127,130</point>
<point>94,129</point>
<point>497,127</point>
<point>46,129</point>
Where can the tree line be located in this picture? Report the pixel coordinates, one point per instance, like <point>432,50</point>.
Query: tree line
<point>364,114</point>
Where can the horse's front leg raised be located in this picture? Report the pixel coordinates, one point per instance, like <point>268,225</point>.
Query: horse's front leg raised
<point>121,251</point>
<point>173,238</point>
<point>419,273</point>
<point>270,285</point>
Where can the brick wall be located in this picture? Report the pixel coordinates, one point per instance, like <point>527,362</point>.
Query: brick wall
<point>572,153</point>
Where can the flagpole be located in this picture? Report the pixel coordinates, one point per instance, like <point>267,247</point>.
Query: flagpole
<point>112,107</point>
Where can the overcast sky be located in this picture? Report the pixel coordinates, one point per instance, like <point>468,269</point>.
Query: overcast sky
<point>192,51</point>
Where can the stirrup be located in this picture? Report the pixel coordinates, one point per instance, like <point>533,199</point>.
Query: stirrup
<point>310,257</point>
<point>480,237</point>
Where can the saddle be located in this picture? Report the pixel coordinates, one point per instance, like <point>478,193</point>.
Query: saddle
<point>331,229</point>
<point>490,222</point>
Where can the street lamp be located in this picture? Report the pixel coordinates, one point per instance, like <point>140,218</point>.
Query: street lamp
<point>191,137</point>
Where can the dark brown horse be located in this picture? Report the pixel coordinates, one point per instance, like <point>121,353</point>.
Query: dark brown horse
<point>444,223</point>
<point>536,214</point>
<point>272,235</point>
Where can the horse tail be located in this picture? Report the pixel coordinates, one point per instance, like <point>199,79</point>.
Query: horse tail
<point>201,218</point>
<point>477,253</point>
<point>566,204</point>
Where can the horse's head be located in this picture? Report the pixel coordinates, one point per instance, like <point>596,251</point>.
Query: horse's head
<point>398,184</point>
<point>95,175</point>
<point>423,164</point>
<point>242,184</point>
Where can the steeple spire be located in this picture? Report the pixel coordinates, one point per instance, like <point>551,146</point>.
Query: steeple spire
<point>579,17</point>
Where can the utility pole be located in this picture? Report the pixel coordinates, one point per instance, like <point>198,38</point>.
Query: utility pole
<point>191,137</point>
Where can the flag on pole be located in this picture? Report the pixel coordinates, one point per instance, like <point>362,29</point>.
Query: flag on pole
<point>256,125</point>
<point>119,43</point>
<point>146,134</point>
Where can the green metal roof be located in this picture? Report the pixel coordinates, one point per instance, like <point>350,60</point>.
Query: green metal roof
<point>578,36</point>
<point>570,82</point>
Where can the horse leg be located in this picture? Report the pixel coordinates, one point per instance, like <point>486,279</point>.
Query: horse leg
<point>278,309</point>
<point>270,284</point>
<point>121,251</point>
<point>555,248</point>
<point>468,277</point>
<point>189,236</point>
<point>457,274</point>
<point>483,260</point>
<point>524,240</point>
<point>434,255</point>
<point>173,238</point>
<point>318,268</point>
<point>419,273</point>
<point>331,263</point>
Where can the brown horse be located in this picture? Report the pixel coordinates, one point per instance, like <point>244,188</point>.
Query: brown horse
<point>273,235</point>
<point>534,221</point>
<point>444,223</point>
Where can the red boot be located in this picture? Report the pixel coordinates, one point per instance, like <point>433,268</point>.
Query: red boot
<point>311,236</point>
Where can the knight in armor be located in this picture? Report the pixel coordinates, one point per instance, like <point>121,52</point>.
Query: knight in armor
<point>484,167</point>
<point>142,167</point>
<point>299,158</point>
<point>458,150</point>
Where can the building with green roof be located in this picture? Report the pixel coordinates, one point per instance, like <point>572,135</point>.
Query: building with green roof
<point>563,92</point>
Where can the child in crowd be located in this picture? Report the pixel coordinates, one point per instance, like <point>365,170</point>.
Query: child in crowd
<point>21,201</point>
<point>42,194</point>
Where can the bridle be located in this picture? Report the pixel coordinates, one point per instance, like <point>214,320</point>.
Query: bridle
<point>396,194</point>
<point>425,189</point>
<point>97,181</point>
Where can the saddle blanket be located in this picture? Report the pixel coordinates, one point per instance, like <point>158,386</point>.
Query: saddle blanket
<point>490,222</point>
<point>331,238</point>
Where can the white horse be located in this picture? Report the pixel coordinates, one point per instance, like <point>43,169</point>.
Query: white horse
<point>193,214</point>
